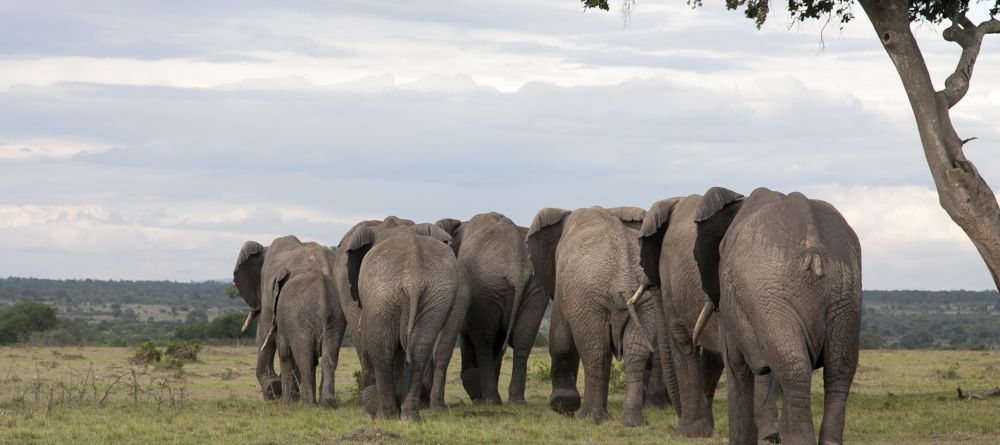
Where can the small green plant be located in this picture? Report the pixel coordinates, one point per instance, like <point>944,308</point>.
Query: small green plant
<point>617,376</point>
<point>146,354</point>
<point>227,374</point>
<point>540,372</point>
<point>541,340</point>
<point>947,374</point>
<point>171,364</point>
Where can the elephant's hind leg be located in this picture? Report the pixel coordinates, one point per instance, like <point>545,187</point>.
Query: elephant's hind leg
<point>565,398</point>
<point>739,384</point>
<point>840,361</point>
<point>790,364</point>
<point>523,339</point>
<point>593,340</point>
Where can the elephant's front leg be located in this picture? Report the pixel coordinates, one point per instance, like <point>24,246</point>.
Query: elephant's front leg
<point>565,398</point>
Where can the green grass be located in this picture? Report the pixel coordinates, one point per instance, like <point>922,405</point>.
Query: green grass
<point>52,395</point>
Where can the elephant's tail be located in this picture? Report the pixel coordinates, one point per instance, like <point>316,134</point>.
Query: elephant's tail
<point>519,291</point>
<point>411,320</point>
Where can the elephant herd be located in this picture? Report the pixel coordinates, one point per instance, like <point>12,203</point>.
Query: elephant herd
<point>764,288</point>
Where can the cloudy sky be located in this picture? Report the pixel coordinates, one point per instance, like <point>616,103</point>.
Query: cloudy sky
<point>149,139</point>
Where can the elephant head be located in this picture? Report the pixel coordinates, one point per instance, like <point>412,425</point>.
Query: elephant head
<point>246,276</point>
<point>454,228</point>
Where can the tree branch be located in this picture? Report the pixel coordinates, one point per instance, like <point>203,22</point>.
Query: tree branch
<point>970,37</point>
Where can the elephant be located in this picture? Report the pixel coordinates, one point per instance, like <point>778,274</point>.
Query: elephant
<point>588,261</point>
<point>667,239</point>
<point>506,305</point>
<point>311,317</point>
<point>413,295</point>
<point>784,274</point>
<point>307,333</point>
<point>343,285</point>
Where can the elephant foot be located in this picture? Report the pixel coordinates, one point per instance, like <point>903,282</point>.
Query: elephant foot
<point>597,416</point>
<point>272,388</point>
<point>470,380</point>
<point>410,415</point>
<point>368,400</point>
<point>491,399</point>
<point>565,401</point>
<point>516,400</point>
<point>329,402</point>
<point>774,437</point>
<point>633,419</point>
<point>657,399</point>
<point>437,406</point>
<point>696,428</point>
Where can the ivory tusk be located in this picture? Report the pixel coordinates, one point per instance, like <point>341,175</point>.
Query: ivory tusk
<point>264,345</point>
<point>706,313</point>
<point>246,324</point>
<point>638,293</point>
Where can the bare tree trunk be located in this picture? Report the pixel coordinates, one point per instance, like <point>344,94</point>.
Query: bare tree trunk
<point>962,193</point>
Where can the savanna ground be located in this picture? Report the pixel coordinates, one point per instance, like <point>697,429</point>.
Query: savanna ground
<point>91,395</point>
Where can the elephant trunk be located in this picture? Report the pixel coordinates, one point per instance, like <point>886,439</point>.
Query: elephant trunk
<point>706,313</point>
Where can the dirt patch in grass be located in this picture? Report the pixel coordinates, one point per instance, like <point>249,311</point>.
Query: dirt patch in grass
<point>369,435</point>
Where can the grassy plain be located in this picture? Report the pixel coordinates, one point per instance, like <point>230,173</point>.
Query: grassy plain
<point>62,395</point>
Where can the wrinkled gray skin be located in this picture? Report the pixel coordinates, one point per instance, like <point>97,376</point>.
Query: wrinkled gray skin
<point>667,240</point>
<point>785,275</point>
<point>315,322</point>
<point>340,277</point>
<point>413,296</point>
<point>589,261</point>
<point>506,307</point>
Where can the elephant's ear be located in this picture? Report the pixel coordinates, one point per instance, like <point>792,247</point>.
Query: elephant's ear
<point>715,213</point>
<point>543,237</point>
<point>279,282</point>
<point>454,228</point>
<point>630,216</point>
<point>654,226</point>
<point>357,247</point>
<point>246,274</point>
<point>427,229</point>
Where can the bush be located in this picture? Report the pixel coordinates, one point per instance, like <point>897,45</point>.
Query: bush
<point>146,354</point>
<point>540,340</point>
<point>183,351</point>
<point>228,325</point>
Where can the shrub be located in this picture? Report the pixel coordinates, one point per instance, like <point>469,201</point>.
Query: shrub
<point>183,351</point>
<point>145,354</point>
<point>541,341</point>
<point>617,376</point>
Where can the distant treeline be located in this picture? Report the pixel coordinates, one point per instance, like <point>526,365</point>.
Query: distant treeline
<point>110,312</point>
<point>205,294</point>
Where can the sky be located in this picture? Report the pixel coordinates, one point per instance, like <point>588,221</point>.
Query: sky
<point>150,139</point>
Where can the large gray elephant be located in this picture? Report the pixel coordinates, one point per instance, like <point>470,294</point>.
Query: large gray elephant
<point>667,240</point>
<point>784,274</point>
<point>343,284</point>
<point>588,260</point>
<point>413,295</point>
<point>260,274</point>
<point>506,305</point>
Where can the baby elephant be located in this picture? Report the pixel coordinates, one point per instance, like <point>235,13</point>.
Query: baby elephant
<point>784,274</point>
<point>304,329</point>
<point>413,296</point>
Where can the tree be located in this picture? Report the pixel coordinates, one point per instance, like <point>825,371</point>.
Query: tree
<point>962,192</point>
<point>24,317</point>
<point>227,325</point>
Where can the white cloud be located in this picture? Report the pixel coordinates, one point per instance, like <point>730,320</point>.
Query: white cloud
<point>47,148</point>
